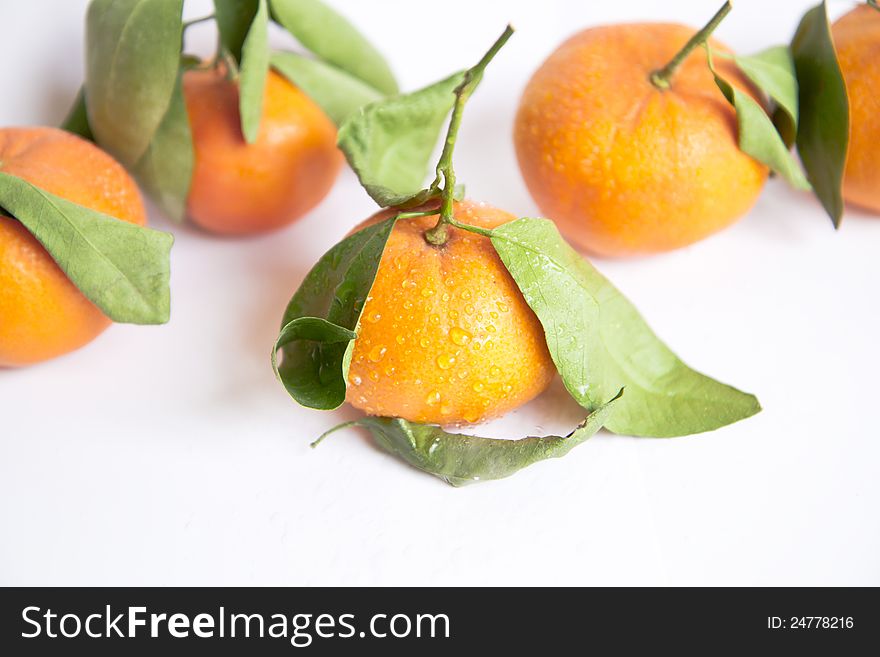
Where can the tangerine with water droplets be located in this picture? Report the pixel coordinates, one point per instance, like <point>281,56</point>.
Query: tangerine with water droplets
<point>458,375</point>
<point>622,166</point>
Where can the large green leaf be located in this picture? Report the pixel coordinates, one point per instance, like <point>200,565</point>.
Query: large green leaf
<point>122,268</point>
<point>389,143</point>
<point>253,72</point>
<point>461,460</point>
<point>321,320</point>
<point>335,91</point>
<point>335,40</point>
<point>165,169</point>
<point>600,343</point>
<point>234,18</point>
<point>132,58</point>
<point>823,129</point>
<point>758,136</point>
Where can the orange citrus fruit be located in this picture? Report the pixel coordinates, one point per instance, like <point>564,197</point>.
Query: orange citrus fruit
<point>43,314</point>
<point>622,166</point>
<point>445,336</point>
<point>857,41</point>
<point>239,188</point>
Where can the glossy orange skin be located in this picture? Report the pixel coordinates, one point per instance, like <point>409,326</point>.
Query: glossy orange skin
<point>42,314</point>
<point>239,188</point>
<point>446,337</point>
<point>857,41</point>
<point>623,167</point>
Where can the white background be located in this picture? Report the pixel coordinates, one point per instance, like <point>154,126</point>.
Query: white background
<point>170,455</point>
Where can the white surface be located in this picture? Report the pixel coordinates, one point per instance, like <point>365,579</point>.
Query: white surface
<point>170,455</point>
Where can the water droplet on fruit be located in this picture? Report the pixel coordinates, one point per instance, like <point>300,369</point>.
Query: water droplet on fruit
<point>374,376</point>
<point>459,336</point>
<point>491,328</point>
<point>377,353</point>
<point>374,317</point>
<point>425,342</point>
<point>435,319</point>
<point>400,339</point>
<point>465,294</point>
<point>469,309</point>
<point>503,307</point>
<point>478,386</point>
<point>495,371</point>
<point>433,398</point>
<point>356,380</point>
<point>445,361</point>
<point>427,292</point>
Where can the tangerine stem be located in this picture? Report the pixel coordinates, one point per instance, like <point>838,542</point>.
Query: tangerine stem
<point>439,233</point>
<point>661,77</point>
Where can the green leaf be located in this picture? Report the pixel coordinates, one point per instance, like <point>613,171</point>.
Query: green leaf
<point>132,58</point>
<point>165,169</point>
<point>253,72</point>
<point>823,130</point>
<point>320,323</point>
<point>460,460</point>
<point>773,72</point>
<point>335,40</point>
<point>121,267</point>
<point>234,19</point>
<point>600,343</point>
<point>77,119</point>
<point>335,91</point>
<point>758,136</point>
<point>389,143</point>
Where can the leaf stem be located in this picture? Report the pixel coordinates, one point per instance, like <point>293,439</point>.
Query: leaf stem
<point>661,78</point>
<point>485,232</point>
<point>196,21</point>
<point>338,427</point>
<point>445,171</point>
<point>413,215</point>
